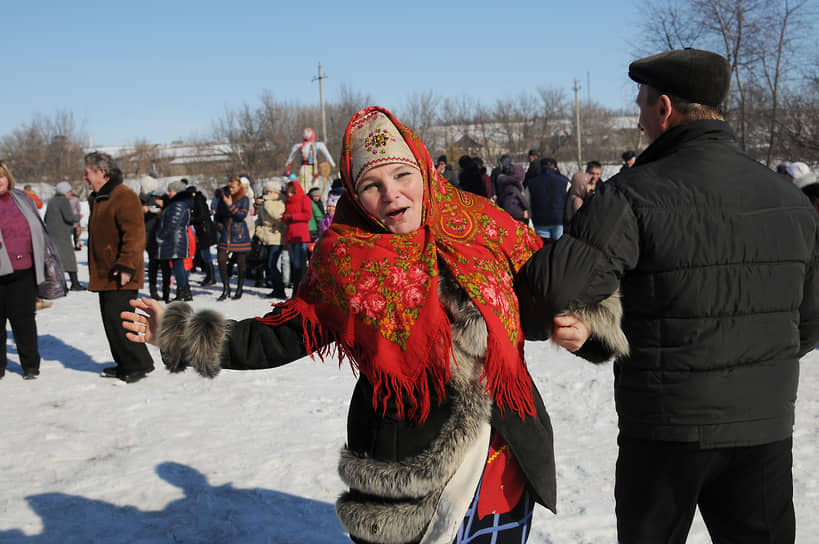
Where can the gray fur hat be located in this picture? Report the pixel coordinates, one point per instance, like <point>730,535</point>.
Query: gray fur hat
<point>176,186</point>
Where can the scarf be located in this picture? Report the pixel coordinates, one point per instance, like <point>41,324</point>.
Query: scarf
<point>373,296</point>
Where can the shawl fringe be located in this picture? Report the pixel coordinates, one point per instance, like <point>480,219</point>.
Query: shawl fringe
<point>412,395</point>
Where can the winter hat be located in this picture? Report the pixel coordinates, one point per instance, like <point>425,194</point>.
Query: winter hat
<point>808,179</point>
<point>272,187</point>
<point>176,186</point>
<point>314,191</point>
<point>332,199</point>
<point>375,141</point>
<point>517,172</point>
<point>63,188</point>
<point>148,184</point>
<point>801,174</point>
<point>797,169</point>
<point>246,184</point>
<point>698,76</point>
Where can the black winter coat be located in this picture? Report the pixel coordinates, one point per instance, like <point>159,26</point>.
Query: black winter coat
<point>547,197</point>
<point>172,233</point>
<point>151,222</point>
<point>716,257</point>
<point>511,198</point>
<point>470,180</point>
<point>200,219</point>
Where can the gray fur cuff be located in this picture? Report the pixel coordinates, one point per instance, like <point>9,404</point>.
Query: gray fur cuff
<point>192,338</point>
<point>171,335</point>
<point>603,319</point>
<point>387,522</point>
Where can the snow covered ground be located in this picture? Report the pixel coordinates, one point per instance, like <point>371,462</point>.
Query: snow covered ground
<point>250,457</point>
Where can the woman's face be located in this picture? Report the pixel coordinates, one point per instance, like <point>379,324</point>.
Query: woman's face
<point>234,187</point>
<point>393,194</point>
<point>4,185</point>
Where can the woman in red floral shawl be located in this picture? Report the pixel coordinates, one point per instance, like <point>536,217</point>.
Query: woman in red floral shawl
<point>413,284</point>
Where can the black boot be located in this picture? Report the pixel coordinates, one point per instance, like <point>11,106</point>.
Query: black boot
<point>210,277</point>
<point>225,289</point>
<point>184,294</point>
<point>240,283</point>
<point>166,291</point>
<point>153,267</point>
<point>278,292</point>
<point>230,264</point>
<point>75,283</point>
<point>259,274</point>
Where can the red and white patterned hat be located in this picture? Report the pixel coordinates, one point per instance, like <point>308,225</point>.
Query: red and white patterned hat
<point>375,141</point>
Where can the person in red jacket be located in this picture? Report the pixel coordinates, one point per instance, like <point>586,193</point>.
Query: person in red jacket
<point>297,214</point>
<point>33,196</point>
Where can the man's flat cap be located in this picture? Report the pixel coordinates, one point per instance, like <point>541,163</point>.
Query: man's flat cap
<point>692,74</point>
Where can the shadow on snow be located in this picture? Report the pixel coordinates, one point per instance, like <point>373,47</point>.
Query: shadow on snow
<point>206,514</point>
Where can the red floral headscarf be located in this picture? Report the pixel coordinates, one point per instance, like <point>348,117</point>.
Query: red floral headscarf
<point>375,294</point>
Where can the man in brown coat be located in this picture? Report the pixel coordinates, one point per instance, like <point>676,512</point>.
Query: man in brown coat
<point>116,242</point>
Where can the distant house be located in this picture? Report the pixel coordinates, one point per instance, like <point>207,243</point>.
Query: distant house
<point>175,159</point>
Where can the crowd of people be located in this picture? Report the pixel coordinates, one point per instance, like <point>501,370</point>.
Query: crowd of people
<point>695,269</point>
<point>251,234</point>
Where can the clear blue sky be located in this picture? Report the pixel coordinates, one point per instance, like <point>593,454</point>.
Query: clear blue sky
<point>162,71</point>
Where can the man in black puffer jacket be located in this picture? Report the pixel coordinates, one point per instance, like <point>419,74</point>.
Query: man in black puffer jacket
<point>716,260</point>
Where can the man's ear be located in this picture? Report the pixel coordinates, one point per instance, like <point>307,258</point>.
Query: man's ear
<point>669,117</point>
<point>664,107</point>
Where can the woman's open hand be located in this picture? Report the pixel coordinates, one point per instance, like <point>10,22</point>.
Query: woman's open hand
<point>143,327</point>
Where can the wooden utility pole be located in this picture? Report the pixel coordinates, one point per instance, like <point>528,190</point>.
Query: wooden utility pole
<point>577,126</point>
<point>320,79</point>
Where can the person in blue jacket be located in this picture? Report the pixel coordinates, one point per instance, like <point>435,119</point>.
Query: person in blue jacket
<point>172,236</point>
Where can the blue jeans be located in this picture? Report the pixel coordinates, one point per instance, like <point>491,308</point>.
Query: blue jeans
<point>549,231</point>
<point>180,275</point>
<point>204,253</point>
<point>274,275</point>
<point>298,259</point>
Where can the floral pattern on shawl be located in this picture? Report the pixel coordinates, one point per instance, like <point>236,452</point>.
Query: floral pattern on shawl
<point>373,295</point>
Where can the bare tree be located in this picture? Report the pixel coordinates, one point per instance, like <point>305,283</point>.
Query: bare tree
<point>46,150</point>
<point>420,112</point>
<point>666,25</point>
<point>775,49</point>
<point>798,122</point>
<point>553,132</point>
<point>758,37</point>
<point>243,130</point>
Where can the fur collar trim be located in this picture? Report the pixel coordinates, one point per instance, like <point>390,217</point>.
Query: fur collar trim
<point>393,501</point>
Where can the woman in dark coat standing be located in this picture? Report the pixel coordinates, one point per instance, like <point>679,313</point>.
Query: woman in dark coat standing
<point>510,194</point>
<point>205,232</point>
<point>60,220</point>
<point>172,236</point>
<point>231,210</point>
